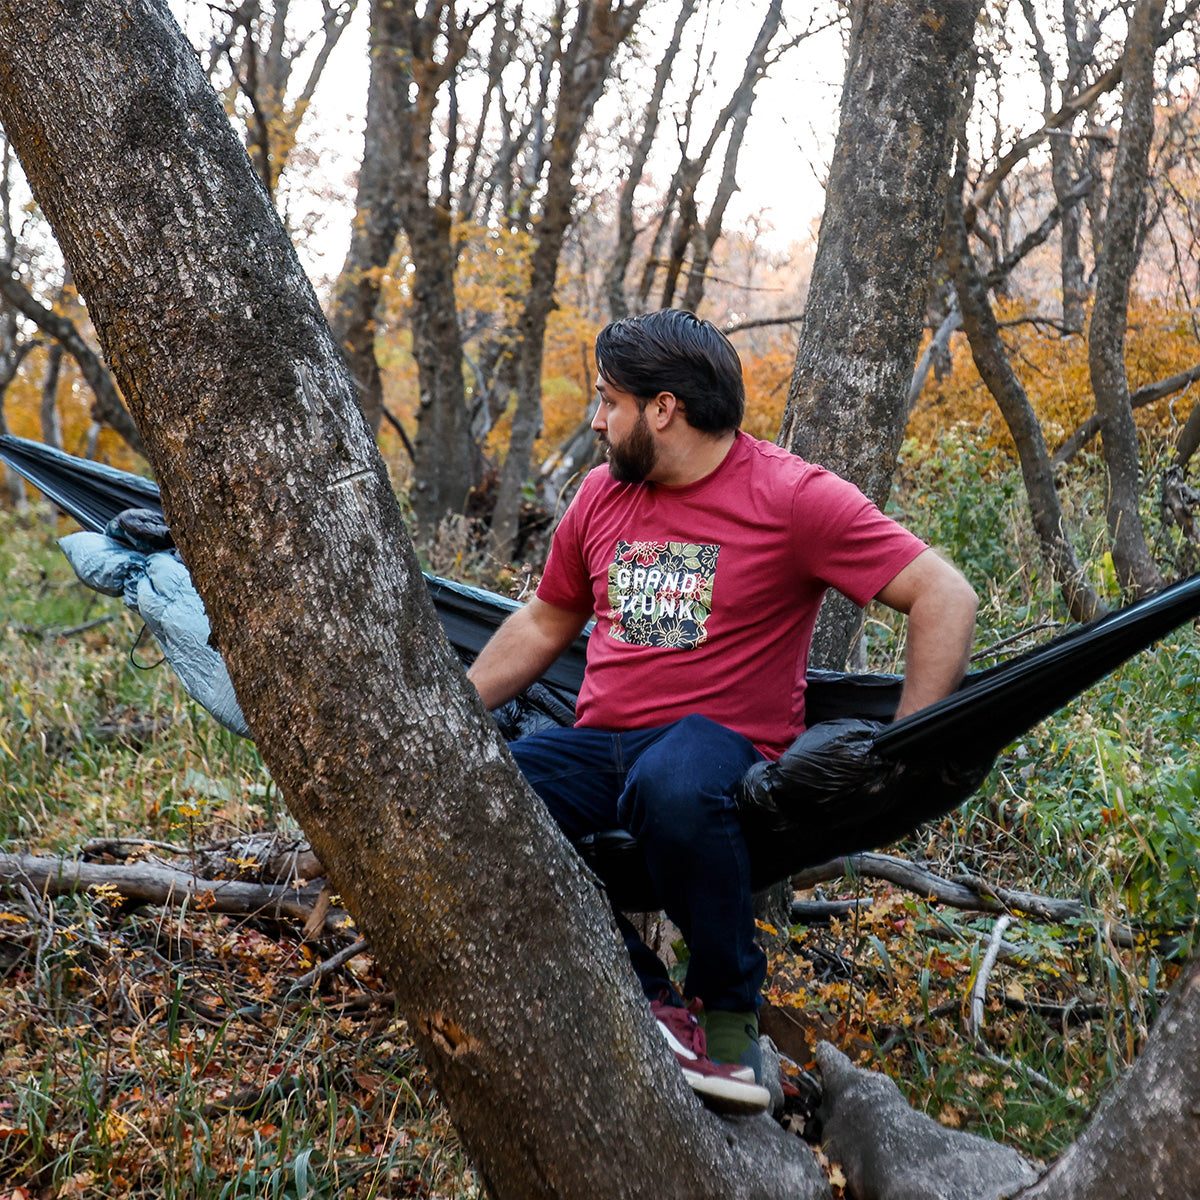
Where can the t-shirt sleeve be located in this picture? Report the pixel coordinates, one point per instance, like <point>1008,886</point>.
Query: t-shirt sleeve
<point>843,540</point>
<point>565,582</point>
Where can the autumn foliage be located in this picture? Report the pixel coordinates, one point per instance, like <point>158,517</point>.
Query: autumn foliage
<point>1053,368</point>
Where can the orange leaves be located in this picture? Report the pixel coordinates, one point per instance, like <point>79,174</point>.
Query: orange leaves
<point>1053,369</point>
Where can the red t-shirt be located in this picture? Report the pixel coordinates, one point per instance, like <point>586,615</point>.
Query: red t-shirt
<point>705,595</point>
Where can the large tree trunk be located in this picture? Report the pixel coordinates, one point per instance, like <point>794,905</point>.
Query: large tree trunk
<point>551,1067</point>
<point>1106,339</point>
<point>376,220</point>
<point>884,210</point>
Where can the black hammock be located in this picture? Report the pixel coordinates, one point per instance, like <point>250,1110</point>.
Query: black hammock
<point>854,780</point>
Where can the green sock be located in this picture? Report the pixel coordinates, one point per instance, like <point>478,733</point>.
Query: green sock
<point>732,1037</point>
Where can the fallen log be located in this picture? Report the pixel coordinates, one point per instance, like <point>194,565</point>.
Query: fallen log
<point>967,892</point>
<point>150,884</point>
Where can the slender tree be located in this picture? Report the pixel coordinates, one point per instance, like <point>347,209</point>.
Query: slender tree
<point>1106,336</point>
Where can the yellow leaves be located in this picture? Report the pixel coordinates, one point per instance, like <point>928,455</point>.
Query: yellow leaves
<point>108,893</point>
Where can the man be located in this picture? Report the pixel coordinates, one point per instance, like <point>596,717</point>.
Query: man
<point>703,554</point>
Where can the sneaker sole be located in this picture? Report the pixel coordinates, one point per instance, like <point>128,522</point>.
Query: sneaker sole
<point>732,1096</point>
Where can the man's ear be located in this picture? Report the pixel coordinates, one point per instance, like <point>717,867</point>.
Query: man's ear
<point>664,409</point>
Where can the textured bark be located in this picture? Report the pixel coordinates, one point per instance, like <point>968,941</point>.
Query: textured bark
<point>891,1152</point>
<point>1132,559</point>
<point>602,26</point>
<point>553,1072</point>
<point>992,363</point>
<point>376,222</point>
<point>884,210</point>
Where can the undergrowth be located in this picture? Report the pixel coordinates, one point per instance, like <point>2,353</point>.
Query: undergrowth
<point>146,1052</point>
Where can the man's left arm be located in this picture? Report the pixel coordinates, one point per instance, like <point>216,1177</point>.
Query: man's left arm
<point>940,605</point>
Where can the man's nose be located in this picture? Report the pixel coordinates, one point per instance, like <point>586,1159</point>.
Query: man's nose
<point>598,419</point>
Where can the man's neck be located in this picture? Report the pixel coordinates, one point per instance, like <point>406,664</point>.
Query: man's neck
<point>691,458</point>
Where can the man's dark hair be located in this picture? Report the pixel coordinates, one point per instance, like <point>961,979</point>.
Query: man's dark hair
<point>675,351</point>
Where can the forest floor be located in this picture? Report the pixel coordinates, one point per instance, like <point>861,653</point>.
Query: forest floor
<point>177,1050</point>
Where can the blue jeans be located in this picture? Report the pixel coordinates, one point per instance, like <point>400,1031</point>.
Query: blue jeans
<point>672,788</point>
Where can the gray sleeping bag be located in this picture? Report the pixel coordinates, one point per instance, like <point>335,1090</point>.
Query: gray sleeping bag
<point>157,587</point>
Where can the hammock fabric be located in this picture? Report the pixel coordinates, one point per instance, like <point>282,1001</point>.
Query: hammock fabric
<point>854,780</point>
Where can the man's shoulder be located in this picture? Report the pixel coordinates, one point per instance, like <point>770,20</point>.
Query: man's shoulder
<point>769,461</point>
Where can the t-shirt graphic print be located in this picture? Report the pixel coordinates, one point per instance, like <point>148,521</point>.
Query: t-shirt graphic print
<point>660,593</point>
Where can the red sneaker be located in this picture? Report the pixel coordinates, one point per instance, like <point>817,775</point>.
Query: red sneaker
<point>727,1088</point>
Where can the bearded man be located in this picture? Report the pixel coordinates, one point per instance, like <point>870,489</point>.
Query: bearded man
<point>703,554</point>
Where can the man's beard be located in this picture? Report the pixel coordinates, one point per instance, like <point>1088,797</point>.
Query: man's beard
<point>631,460</point>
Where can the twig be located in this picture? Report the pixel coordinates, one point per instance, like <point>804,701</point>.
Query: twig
<point>324,969</point>
<point>973,895</point>
<point>990,651</point>
<point>50,632</point>
<point>761,323</point>
<point>813,912</point>
<point>979,990</point>
<point>1035,1077</point>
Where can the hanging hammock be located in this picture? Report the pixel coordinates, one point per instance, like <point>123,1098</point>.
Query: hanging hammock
<point>854,780</point>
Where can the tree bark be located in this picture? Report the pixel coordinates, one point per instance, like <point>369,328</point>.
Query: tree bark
<point>1132,559</point>
<point>376,221</point>
<point>549,1062</point>
<point>884,210</point>
<point>991,361</point>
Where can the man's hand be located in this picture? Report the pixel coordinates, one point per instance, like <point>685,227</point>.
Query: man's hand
<point>522,649</point>
<point>940,605</point>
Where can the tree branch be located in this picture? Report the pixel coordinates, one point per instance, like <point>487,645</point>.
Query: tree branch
<point>108,407</point>
<point>1147,394</point>
<point>164,885</point>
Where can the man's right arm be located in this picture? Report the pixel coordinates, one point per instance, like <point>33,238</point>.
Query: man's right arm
<point>522,649</point>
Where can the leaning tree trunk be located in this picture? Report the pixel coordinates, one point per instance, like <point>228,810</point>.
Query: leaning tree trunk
<point>376,220</point>
<point>279,502</point>
<point>883,214</point>
<point>1132,559</point>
